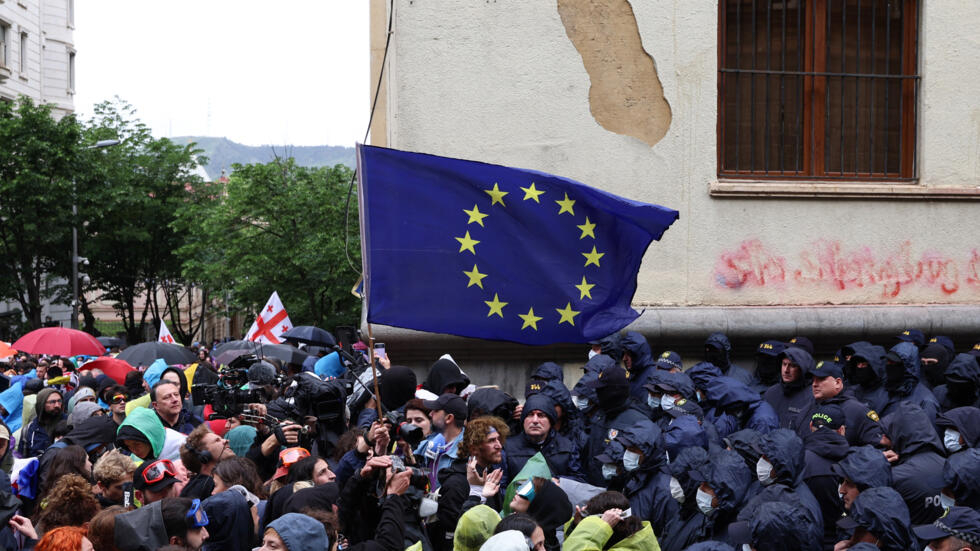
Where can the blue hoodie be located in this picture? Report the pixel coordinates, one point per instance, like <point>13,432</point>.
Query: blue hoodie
<point>784,450</point>
<point>641,367</point>
<point>300,532</point>
<point>906,388</point>
<point>961,475</point>
<point>328,366</point>
<point>735,401</point>
<point>867,387</point>
<point>881,512</point>
<point>153,373</point>
<point>12,400</point>
<point>723,348</point>
<point>918,472</point>
<point>648,487</point>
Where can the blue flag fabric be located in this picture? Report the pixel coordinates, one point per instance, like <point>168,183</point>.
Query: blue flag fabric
<point>487,251</point>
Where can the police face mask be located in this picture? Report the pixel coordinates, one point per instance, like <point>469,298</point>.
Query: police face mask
<point>951,439</point>
<point>653,401</point>
<point>581,402</point>
<point>592,354</point>
<point>763,470</point>
<point>609,471</point>
<point>667,402</point>
<point>631,460</point>
<point>676,490</point>
<point>704,500</point>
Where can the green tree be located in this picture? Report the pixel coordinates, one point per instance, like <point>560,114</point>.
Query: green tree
<point>129,206</point>
<point>275,226</point>
<point>38,158</point>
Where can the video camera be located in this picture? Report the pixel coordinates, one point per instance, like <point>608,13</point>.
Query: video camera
<point>419,479</point>
<point>227,399</point>
<point>403,430</point>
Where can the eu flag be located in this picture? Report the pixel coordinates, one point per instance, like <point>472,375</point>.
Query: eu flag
<point>487,251</point>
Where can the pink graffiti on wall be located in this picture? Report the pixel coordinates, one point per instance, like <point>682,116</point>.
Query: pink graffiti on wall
<point>828,262</point>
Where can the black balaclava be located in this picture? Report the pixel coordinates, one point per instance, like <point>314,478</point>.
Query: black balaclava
<point>716,356</point>
<point>935,373</point>
<point>767,369</point>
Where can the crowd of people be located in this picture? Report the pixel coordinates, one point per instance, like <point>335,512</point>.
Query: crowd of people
<point>877,448</point>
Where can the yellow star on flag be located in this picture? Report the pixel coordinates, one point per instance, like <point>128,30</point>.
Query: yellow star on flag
<point>566,205</point>
<point>586,288</point>
<point>496,306</point>
<point>496,195</point>
<point>477,216</point>
<point>567,314</point>
<point>530,320</point>
<point>590,258</point>
<point>476,278</point>
<point>466,244</point>
<point>588,228</point>
<point>532,193</point>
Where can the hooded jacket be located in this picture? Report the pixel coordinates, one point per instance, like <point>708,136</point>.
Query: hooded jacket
<point>444,373</point>
<point>881,512</point>
<point>606,425</point>
<point>549,371</point>
<point>144,425</point>
<point>508,540</point>
<point>869,390</point>
<point>730,479</point>
<point>735,399</point>
<point>964,374</point>
<point>560,452</point>
<point>918,472</point>
<point>778,525</point>
<point>784,450</point>
<point>863,424</point>
<point>572,420</point>
<point>791,401</point>
<point>723,346</point>
<point>964,420</point>
<point>474,528</point>
<point>934,374</point>
<point>93,432</point>
<point>961,475</point>
<point>300,532</point>
<point>866,467</point>
<point>908,389</point>
<point>141,529</point>
<point>551,509</point>
<point>641,367</point>
<point>35,438</point>
<point>12,400</point>
<point>683,528</point>
<point>230,525</point>
<point>648,487</point>
<point>683,432</point>
<point>593,533</point>
<point>823,448</point>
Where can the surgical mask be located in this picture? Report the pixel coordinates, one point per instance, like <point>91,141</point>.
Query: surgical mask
<point>676,490</point>
<point>704,500</point>
<point>609,471</point>
<point>631,460</point>
<point>763,470</point>
<point>581,402</point>
<point>592,354</point>
<point>951,439</point>
<point>946,501</point>
<point>667,402</point>
<point>746,547</point>
<point>653,401</point>
<point>841,496</point>
<point>428,507</point>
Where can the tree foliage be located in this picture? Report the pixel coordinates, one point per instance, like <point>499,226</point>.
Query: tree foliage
<point>275,226</point>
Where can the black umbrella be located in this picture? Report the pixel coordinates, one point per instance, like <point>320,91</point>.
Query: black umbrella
<point>226,356</point>
<point>282,352</point>
<point>310,335</point>
<point>109,342</point>
<point>148,352</point>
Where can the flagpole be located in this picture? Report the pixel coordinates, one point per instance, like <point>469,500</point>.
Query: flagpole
<point>365,273</point>
<point>374,372</point>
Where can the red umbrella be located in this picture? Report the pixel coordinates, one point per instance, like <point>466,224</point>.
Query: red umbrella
<point>114,368</point>
<point>60,341</point>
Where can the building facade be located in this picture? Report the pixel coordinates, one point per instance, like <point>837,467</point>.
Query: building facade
<point>824,156</point>
<point>37,54</point>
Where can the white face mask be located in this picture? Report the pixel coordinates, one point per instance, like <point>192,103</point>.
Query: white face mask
<point>428,507</point>
<point>653,401</point>
<point>609,471</point>
<point>581,402</point>
<point>704,500</point>
<point>746,547</point>
<point>676,491</point>
<point>631,460</point>
<point>763,470</point>
<point>951,439</point>
<point>946,501</point>
<point>667,402</point>
<point>592,354</point>
<point>841,495</point>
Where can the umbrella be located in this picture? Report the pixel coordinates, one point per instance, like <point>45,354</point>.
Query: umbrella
<point>230,354</point>
<point>310,335</point>
<point>60,341</point>
<point>6,350</point>
<point>109,342</point>
<point>114,368</point>
<point>283,352</point>
<point>148,352</point>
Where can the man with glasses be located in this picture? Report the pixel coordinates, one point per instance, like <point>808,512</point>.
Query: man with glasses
<point>116,397</point>
<point>154,480</point>
<point>49,408</point>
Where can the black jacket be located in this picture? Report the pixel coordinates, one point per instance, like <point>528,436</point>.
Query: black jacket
<point>453,492</point>
<point>918,474</point>
<point>825,447</point>
<point>863,424</point>
<point>560,453</point>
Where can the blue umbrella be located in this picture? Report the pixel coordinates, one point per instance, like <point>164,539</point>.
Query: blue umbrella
<point>310,335</point>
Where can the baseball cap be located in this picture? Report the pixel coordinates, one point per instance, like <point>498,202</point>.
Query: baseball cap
<point>975,351</point>
<point>827,369</point>
<point>261,373</point>
<point>960,522</point>
<point>155,476</point>
<point>612,454</point>
<point>613,375</point>
<point>449,403</point>
<point>287,458</point>
<point>669,360</point>
<point>828,415</point>
<point>771,348</point>
<point>801,342</point>
<point>913,336</point>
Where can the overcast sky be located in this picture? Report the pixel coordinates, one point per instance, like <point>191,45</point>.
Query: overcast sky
<point>257,72</point>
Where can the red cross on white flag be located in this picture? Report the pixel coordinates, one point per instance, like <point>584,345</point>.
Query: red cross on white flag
<point>271,322</point>
<point>165,335</point>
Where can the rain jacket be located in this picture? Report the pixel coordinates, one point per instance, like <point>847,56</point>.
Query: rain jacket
<point>866,467</point>
<point>872,392</point>
<point>965,420</point>
<point>881,512</point>
<point>606,426</point>
<point>908,389</point>
<point>682,528</point>
<point>551,509</point>
<point>548,371</point>
<point>784,449</point>
<point>444,373</point>
<point>141,529</point>
<point>791,401</point>
<point>743,406</point>
<point>863,426</point>
<point>824,448</point>
<point>593,533</point>
<point>560,452</point>
<point>144,424</point>
<point>230,524</point>
<point>730,478</point>
<point>918,472</point>
<point>648,487</point>
<point>12,400</point>
<point>572,420</point>
<point>642,367</point>
<point>721,343</point>
<point>474,528</point>
<point>966,372</point>
<point>300,532</point>
<point>683,432</point>
<point>778,525</point>
<point>961,474</point>
<point>35,438</point>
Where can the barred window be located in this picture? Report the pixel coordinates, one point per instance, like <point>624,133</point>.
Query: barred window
<point>818,89</point>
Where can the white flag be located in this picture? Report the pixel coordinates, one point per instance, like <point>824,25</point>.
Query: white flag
<point>271,322</point>
<point>165,335</point>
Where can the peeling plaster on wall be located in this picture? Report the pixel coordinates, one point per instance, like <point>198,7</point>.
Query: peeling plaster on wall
<point>626,96</point>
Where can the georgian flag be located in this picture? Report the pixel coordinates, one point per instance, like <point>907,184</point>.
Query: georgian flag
<point>165,335</point>
<point>271,322</point>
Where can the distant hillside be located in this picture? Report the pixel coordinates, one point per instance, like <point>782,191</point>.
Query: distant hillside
<point>222,153</point>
